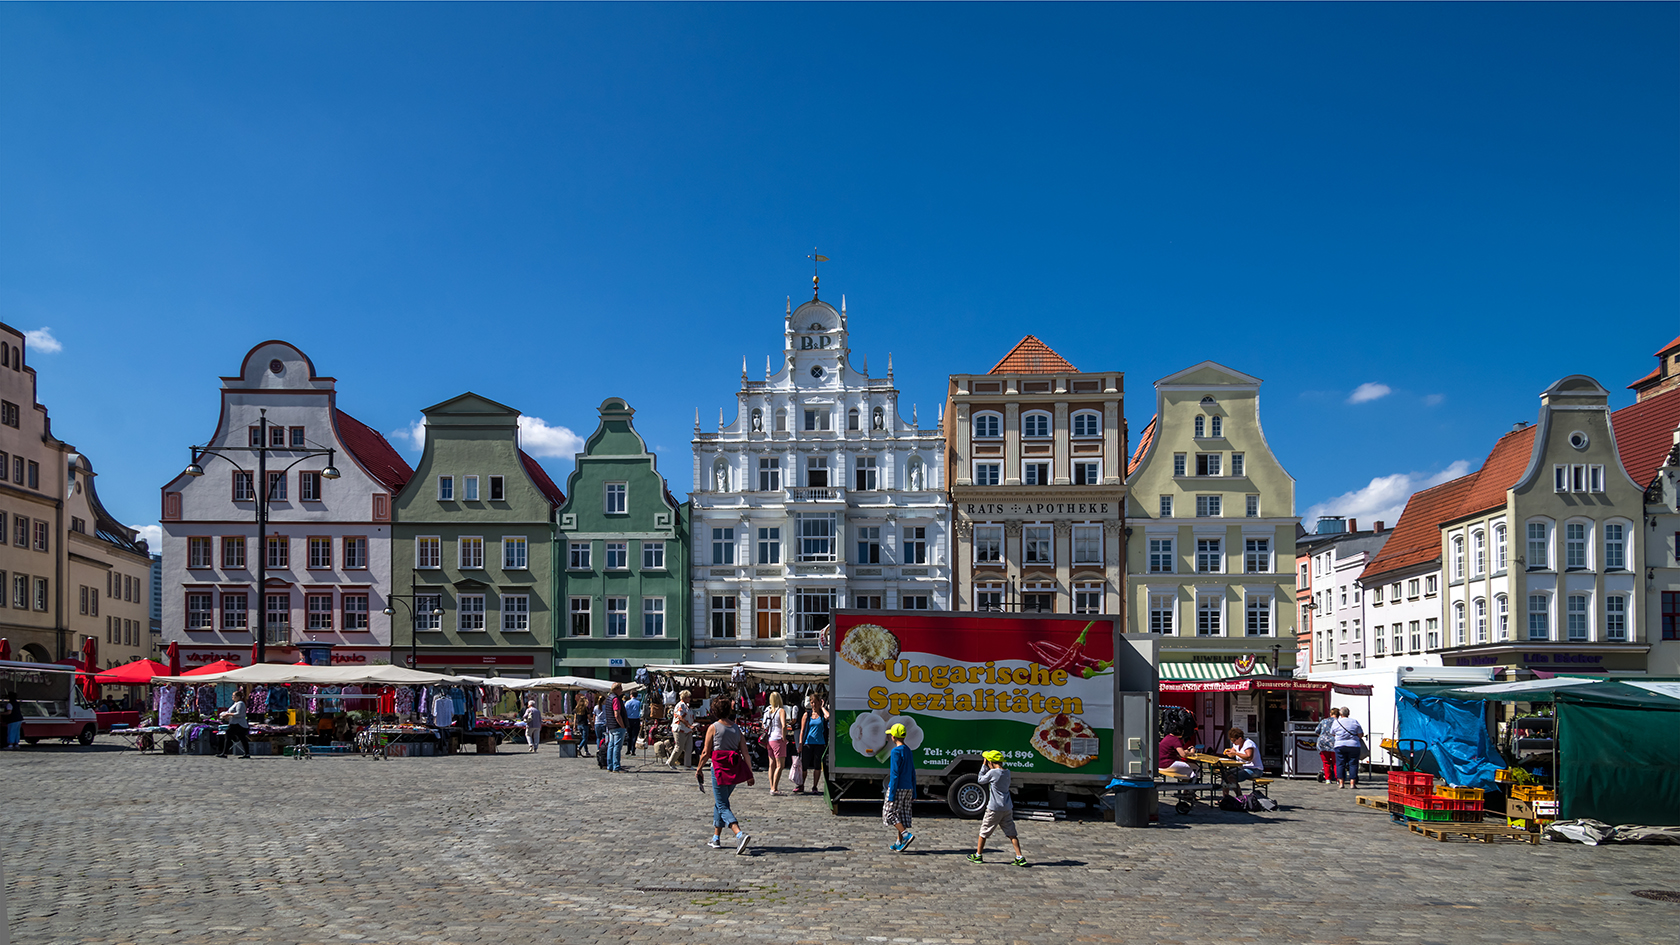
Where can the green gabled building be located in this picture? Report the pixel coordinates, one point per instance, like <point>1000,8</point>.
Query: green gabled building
<point>474,538</point>
<point>621,581</point>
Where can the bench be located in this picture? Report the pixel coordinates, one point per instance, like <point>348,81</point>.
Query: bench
<point>1184,788</point>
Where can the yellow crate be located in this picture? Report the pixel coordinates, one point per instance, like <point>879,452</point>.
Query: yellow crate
<point>1459,793</point>
<point>1532,792</point>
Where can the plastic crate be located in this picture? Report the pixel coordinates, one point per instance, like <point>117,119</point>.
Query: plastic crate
<point>1411,781</point>
<point>1465,816</point>
<point>1459,793</point>
<point>1532,792</point>
<point>1417,813</point>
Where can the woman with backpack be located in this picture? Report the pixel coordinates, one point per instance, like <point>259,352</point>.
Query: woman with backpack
<point>775,741</point>
<point>1349,737</point>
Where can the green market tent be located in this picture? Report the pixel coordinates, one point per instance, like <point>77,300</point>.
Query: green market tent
<point>1616,737</point>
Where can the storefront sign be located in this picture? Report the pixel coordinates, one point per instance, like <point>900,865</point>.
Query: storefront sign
<point>233,657</point>
<point>808,343</point>
<point>985,511</point>
<point>486,659</point>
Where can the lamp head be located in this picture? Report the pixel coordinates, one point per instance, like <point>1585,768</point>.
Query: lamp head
<point>194,470</point>
<point>388,611</point>
<point>331,472</point>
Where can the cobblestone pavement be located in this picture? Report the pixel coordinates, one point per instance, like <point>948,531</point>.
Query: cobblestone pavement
<point>106,846</point>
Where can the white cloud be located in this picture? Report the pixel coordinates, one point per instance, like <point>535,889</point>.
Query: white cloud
<point>411,438</point>
<point>1367,392</point>
<point>1383,499</point>
<point>539,439</point>
<point>1434,400</point>
<point>153,536</point>
<point>42,340</point>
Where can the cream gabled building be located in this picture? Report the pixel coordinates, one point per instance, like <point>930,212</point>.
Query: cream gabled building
<point>109,574</point>
<point>1037,460</point>
<point>817,495</point>
<point>32,522</point>
<point>1212,526</point>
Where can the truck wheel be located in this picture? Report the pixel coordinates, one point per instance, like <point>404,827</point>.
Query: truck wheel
<point>86,738</point>
<point>967,796</point>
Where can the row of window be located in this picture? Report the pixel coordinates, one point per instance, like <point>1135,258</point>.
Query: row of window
<point>580,556</point>
<point>22,586</point>
<point>1210,614</point>
<point>23,472</point>
<point>1040,597</point>
<point>1479,622</point>
<point>122,632</point>
<point>1038,544</point>
<point>818,540</point>
<point>616,614</point>
<point>1211,506</point>
<point>1578,548</point>
<point>10,415</point>
<point>123,587</point>
<point>1412,590</point>
<point>1210,556</point>
<point>813,610</point>
<point>351,610</point>
<point>1209,464</point>
<point>309,486</point>
<point>279,437</point>
<point>817,420</point>
<point>496,490</point>
<point>1037,473</point>
<point>27,532</point>
<point>318,550</point>
<point>1037,424</point>
<point>866,475</point>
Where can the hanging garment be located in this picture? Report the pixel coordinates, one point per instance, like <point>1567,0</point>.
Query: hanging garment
<point>166,705</point>
<point>442,710</point>
<point>259,700</point>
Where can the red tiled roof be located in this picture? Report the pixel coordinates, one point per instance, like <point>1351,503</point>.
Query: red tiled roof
<point>1032,356</point>
<point>373,453</point>
<point>1144,439</point>
<point>1668,347</point>
<point>1499,472</point>
<point>540,477</point>
<point>1655,375</point>
<point>1416,538</point>
<point>1645,434</point>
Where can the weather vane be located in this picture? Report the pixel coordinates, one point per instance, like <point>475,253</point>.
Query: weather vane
<point>814,258</point>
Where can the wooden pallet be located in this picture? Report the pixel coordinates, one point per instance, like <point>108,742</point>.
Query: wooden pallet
<point>1375,803</point>
<point>1484,833</point>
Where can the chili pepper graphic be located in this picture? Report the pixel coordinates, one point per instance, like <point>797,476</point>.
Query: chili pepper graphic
<point>1071,658</point>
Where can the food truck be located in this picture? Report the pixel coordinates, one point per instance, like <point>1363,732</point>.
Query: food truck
<point>1043,690</point>
<point>53,705</point>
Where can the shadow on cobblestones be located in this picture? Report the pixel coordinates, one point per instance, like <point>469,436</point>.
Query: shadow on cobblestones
<point>107,847</point>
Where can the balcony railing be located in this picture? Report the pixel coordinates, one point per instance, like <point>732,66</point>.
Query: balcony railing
<point>278,635</point>
<point>816,494</point>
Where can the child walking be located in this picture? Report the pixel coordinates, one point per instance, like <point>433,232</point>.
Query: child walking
<point>1000,809</point>
<point>901,789</point>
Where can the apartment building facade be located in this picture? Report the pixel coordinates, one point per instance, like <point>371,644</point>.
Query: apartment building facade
<point>1339,604</point>
<point>109,571</point>
<point>1036,454</point>
<point>34,617</point>
<point>817,495</point>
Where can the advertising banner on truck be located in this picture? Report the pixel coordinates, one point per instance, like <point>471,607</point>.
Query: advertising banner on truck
<point>1038,689</point>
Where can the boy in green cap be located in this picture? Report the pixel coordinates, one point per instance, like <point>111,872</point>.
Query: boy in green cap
<point>901,789</point>
<point>1000,809</point>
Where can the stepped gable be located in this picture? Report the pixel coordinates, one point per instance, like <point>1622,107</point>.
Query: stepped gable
<point>1031,356</point>
<point>372,452</point>
<point>1645,434</point>
<point>540,477</point>
<point>1416,538</point>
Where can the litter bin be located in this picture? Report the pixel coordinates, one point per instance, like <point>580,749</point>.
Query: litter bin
<point>568,747</point>
<point>1134,802</point>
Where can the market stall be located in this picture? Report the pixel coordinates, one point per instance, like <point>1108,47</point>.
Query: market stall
<point>1277,711</point>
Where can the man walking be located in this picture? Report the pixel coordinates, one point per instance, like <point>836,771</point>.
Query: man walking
<point>633,720</point>
<point>615,729</point>
<point>237,729</point>
<point>533,724</point>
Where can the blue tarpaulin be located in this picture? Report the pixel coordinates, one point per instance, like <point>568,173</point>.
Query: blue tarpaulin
<point>1456,732</point>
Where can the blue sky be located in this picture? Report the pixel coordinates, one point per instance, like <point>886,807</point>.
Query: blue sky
<point>1443,207</point>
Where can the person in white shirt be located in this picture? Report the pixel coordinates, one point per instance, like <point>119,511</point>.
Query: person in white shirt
<point>682,732</point>
<point>533,724</point>
<point>1244,750</point>
<point>237,729</point>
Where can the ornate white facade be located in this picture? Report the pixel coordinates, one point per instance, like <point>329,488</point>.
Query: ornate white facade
<point>817,496</point>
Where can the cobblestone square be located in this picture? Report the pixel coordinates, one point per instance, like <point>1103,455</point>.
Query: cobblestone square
<point>107,846</point>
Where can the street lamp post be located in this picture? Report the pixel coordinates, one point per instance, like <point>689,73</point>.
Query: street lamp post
<point>408,600</point>
<point>260,493</point>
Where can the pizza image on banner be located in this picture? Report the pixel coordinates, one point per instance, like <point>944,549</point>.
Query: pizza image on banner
<point>1040,689</point>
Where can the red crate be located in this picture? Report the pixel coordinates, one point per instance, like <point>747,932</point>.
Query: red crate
<point>1426,802</point>
<point>1460,804</point>
<point>1411,782</point>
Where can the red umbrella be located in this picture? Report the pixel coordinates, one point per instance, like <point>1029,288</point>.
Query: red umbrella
<point>137,673</point>
<point>90,662</point>
<point>220,666</point>
<point>5,649</point>
<point>254,660</point>
<point>174,652</point>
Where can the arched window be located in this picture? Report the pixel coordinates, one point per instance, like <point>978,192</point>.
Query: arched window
<point>1216,426</point>
<point>988,426</point>
<point>1201,426</point>
<point>1575,544</point>
<point>757,420</point>
<point>1615,546</point>
<point>1458,624</point>
<point>1539,546</point>
<point>1499,548</point>
<point>1458,558</point>
<point>1481,621</point>
<point>1087,423</point>
<point>1502,617</point>
<point>1478,553</point>
<point>852,419</point>
<point>781,421</point>
<point>1035,425</point>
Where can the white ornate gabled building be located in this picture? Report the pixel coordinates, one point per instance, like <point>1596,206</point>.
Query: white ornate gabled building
<point>817,496</point>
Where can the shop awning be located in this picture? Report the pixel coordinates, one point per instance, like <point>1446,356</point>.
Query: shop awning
<point>137,673</point>
<point>1211,671</point>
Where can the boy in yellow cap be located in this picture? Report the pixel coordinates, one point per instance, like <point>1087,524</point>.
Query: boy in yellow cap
<point>901,789</point>
<point>1000,809</point>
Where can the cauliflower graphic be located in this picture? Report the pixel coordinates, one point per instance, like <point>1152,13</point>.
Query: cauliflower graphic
<point>869,731</point>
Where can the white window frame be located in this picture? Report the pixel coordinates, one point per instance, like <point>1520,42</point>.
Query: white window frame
<point>770,474</point>
<point>1091,542</point>
<point>584,607</point>
<point>469,609</point>
<point>1502,616</point>
<point>1479,620</point>
<point>1544,542</point>
<point>653,613</point>
<point>996,432</point>
<point>1478,553</point>
<point>1459,625</point>
<point>1040,546</point>
<point>446,488</point>
<point>1258,609</point>
<point>723,546</point>
<point>1584,613</point>
<point>1181,464</point>
<point>1545,613</point>
<point>1456,543</point>
<point>615,498</point>
<point>653,555</point>
<point>988,548</point>
<point>1501,548</point>
<point>469,562</point>
<point>1210,506</point>
<point>1210,615</point>
<point>516,613</point>
<point>516,554</point>
<point>469,489</point>
<point>1096,424</point>
<point>578,555</point>
<point>1615,549</point>
<point>1583,545</point>
<point>1616,618</point>
<point>1214,556</point>
<point>617,611</point>
<point>1049,425</point>
<point>498,489</point>
<point>1087,471</point>
<point>623,552</point>
<point>1162,616</point>
<point>1164,509</point>
<point>993,473</point>
<point>1251,506</point>
<point>428,552</point>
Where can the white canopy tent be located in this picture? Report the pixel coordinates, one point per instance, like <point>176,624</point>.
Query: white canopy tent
<point>562,684</point>
<point>758,671</point>
<point>268,674</point>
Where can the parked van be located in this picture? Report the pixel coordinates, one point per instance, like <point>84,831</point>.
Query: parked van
<point>53,705</point>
